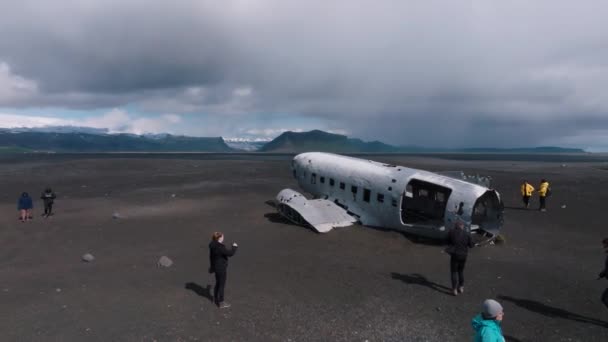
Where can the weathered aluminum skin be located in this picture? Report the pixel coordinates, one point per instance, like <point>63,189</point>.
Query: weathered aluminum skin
<point>391,182</point>
<point>322,215</point>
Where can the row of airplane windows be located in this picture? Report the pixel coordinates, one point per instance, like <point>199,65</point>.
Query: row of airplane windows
<point>366,192</point>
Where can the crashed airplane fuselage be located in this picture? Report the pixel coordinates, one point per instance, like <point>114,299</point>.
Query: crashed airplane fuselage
<point>348,190</point>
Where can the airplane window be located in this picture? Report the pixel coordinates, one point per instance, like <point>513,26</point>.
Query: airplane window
<point>394,180</point>
<point>353,189</point>
<point>390,188</point>
<point>366,195</point>
<point>381,198</point>
<point>313,178</point>
<point>322,179</point>
<point>394,202</point>
<point>342,186</point>
<point>331,182</point>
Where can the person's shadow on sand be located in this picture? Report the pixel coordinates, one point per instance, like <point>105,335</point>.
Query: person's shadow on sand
<point>552,312</point>
<point>199,290</point>
<point>520,208</point>
<point>419,279</point>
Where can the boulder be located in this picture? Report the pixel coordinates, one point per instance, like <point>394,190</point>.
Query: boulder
<point>88,257</point>
<point>164,261</point>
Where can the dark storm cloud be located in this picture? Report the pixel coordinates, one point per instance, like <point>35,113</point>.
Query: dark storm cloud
<point>112,47</point>
<point>430,73</point>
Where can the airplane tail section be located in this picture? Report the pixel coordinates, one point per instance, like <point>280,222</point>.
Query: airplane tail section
<point>320,214</point>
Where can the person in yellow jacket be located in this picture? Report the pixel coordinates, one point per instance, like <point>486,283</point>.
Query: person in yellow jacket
<point>544,190</point>
<point>526,192</point>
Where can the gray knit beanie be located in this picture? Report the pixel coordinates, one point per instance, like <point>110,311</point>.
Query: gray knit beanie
<point>491,308</point>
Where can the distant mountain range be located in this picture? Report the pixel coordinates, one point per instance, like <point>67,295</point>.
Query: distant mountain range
<point>89,142</point>
<point>293,142</point>
<point>83,139</point>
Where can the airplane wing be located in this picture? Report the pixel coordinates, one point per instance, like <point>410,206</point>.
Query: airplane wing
<point>320,214</point>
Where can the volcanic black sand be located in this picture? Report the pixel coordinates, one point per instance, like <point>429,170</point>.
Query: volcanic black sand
<point>286,283</point>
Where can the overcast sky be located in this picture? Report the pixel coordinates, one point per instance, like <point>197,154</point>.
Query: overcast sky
<point>433,73</point>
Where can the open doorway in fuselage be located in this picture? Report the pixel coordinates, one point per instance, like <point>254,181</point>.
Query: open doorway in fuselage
<point>424,203</point>
<point>488,212</point>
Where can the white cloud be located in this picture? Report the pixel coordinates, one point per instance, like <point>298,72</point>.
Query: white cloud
<point>14,88</point>
<point>115,121</point>
<point>271,132</point>
<point>172,118</point>
<point>14,120</point>
<point>243,91</point>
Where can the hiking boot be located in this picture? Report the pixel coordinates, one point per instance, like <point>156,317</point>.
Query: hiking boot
<point>455,292</point>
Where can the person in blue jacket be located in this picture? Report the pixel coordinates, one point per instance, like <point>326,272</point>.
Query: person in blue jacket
<point>25,206</point>
<point>487,324</point>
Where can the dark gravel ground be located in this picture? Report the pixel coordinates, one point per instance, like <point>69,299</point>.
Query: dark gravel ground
<point>286,283</point>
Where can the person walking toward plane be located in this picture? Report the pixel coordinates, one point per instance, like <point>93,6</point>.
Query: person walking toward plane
<point>604,273</point>
<point>526,192</point>
<point>487,324</point>
<point>218,260</point>
<point>48,197</point>
<point>459,241</point>
<point>544,190</point>
<point>25,206</point>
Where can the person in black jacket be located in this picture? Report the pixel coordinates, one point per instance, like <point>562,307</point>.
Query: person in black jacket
<point>459,241</point>
<point>218,260</point>
<point>48,197</point>
<point>604,273</point>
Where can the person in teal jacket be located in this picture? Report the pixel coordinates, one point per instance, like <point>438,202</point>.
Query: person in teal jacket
<point>487,323</point>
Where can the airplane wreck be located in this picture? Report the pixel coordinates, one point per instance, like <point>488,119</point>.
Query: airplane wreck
<point>349,190</point>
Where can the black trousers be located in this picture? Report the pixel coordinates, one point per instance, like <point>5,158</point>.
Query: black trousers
<point>48,207</point>
<point>605,297</point>
<point>220,283</point>
<point>457,263</point>
<point>543,202</point>
<point>526,200</point>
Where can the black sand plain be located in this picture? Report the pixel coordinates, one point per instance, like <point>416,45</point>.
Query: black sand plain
<point>286,283</point>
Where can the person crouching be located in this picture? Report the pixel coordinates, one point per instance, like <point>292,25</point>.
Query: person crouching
<point>218,260</point>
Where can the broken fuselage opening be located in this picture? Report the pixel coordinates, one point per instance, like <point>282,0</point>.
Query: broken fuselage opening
<point>424,203</point>
<point>488,213</point>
